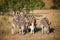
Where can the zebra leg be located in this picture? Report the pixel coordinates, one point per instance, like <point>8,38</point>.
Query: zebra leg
<point>19,31</point>
<point>13,27</point>
<point>22,29</point>
<point>27,28</point>
<point>42,29</point>
<point>48,30</point>
<point>12,31</point>
<point>45,30</point>
<point>33,31</point>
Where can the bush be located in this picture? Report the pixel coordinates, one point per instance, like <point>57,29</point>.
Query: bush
<point>56,4</point>
<point>54,7</point>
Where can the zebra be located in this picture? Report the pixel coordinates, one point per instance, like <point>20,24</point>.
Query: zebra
<point>32,23</point>
<point>20,22</point>
<point>15,23</point>
<point>29,22</point>
<point>45,25</point>
<point>23,21</point>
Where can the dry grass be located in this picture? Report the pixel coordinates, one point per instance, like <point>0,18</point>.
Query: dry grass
<point>53,16</point>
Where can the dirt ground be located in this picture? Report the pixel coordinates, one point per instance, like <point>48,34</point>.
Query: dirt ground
<point>52,15</point>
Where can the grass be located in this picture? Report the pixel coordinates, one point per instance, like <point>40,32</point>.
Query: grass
<point>1,24</point>
<point>5,30</point>
<point>5,20</point>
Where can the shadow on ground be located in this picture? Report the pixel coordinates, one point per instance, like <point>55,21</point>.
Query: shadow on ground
<point>40,29</point>
<point>37,29</point>
<point>52,30</point>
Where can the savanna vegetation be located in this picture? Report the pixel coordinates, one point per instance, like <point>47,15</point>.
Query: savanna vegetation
<point>8,6</point>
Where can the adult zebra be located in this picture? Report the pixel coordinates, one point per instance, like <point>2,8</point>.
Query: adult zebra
<point>45,25</point>
<point>23,22</point>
